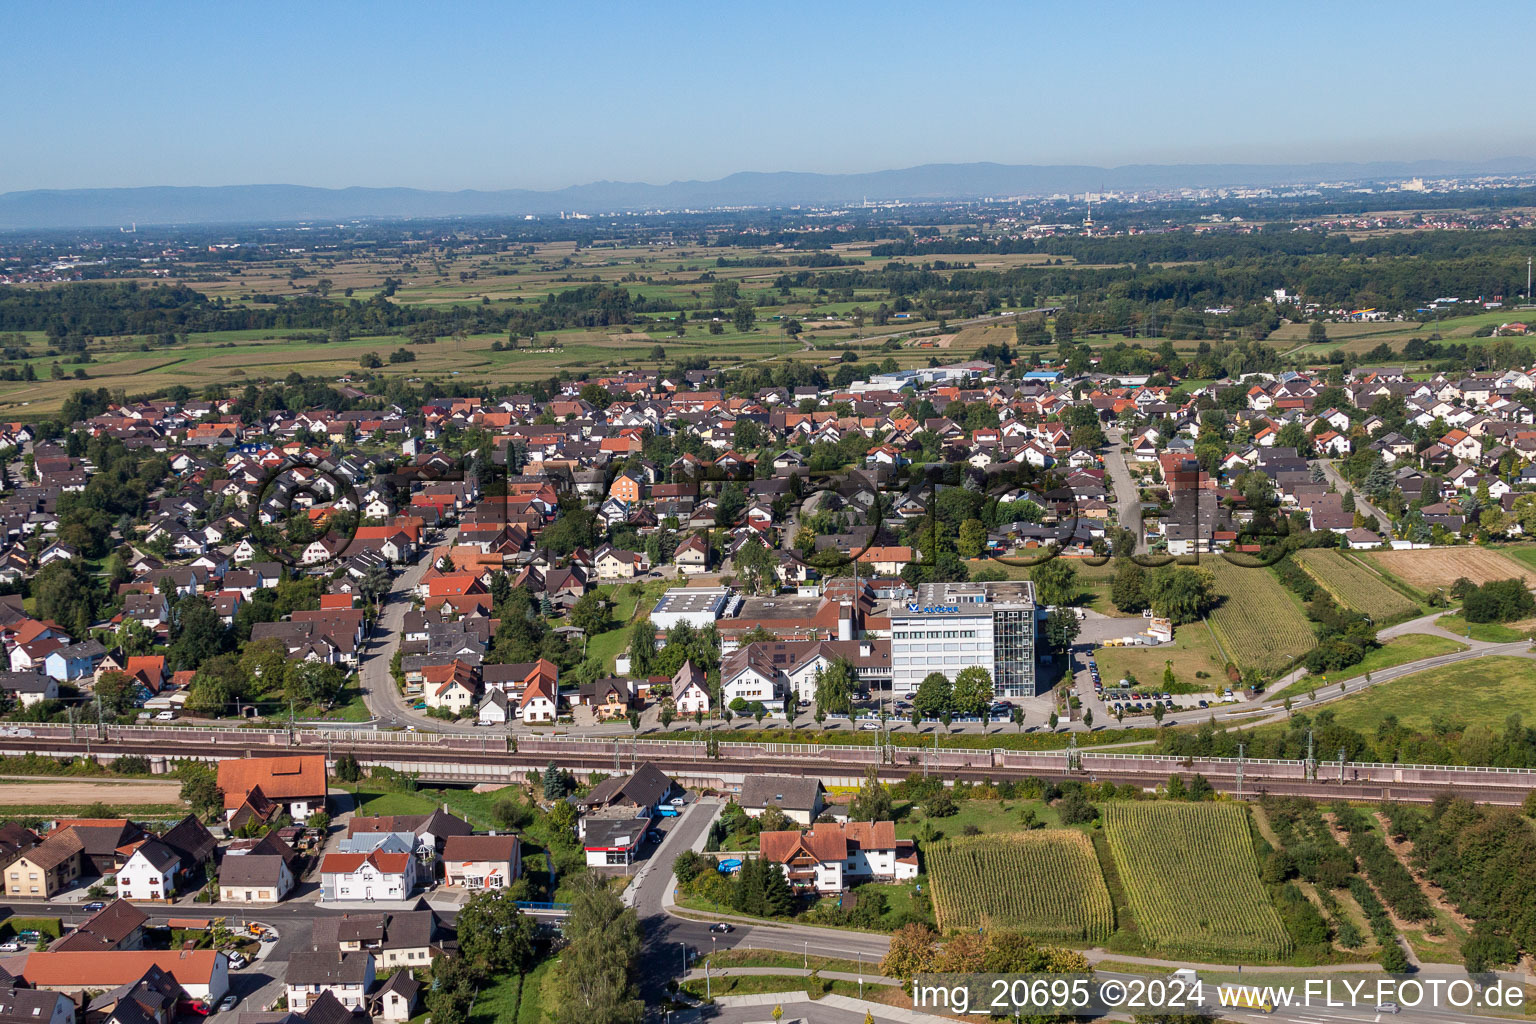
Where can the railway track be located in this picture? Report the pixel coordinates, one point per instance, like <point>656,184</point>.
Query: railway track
<point>459,760</point>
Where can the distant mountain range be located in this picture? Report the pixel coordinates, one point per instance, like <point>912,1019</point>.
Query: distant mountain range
<point>243,204</point>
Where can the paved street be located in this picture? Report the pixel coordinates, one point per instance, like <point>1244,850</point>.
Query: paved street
<point>1127,495</point>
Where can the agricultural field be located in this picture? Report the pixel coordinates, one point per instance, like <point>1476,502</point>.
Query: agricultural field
<point>1193,881</point>
<point>1429,569</point>
<point>1258,621</point>
<point>1046,883</point>
<point>1356,586</point>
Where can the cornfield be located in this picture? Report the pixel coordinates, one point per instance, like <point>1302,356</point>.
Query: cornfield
<point>1257,621</point>
<point>1354,585</point>
<point>1193,881</point>
<point>1046,883</point>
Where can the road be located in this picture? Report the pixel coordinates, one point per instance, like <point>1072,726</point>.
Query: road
<point>1362,504</point>
<point>1127,494</point>
<point>667,934</point>
<point>382,696</point>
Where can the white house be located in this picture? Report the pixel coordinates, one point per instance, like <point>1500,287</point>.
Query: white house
<point>690,690</point>
<point>367,876</point>
<point>149,873</point>
<point>830,858</point>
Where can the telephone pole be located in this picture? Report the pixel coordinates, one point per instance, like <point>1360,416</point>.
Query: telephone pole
<point>1241,748</point>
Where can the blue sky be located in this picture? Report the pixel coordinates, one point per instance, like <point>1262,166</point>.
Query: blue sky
<point>464,95</point>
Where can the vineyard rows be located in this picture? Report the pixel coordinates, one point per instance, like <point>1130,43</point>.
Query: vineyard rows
<point>1257,621</point>
<point>1046,883</point>
<point>1354,585</point>
<point>1193,882</point>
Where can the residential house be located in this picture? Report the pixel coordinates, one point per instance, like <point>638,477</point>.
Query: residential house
<point>482,862</point>
<point>149,873</point>
<point>346,977</point>
<point>258,871</point>
<point>399,939</point>
<point>29,688</point>
<point>47,869</point>
<point>801,798</point>
<point>690,689</point>
<point>202,973</point>
<point>540,700</point>
<point>693,555</point>
<point>367,876</point>
<point>297,782</point>
<point>831,858</point>
<point>118,925</point>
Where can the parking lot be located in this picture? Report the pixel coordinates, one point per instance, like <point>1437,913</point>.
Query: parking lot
<point>1112,703</point>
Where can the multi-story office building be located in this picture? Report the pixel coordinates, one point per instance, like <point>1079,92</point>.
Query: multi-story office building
<point>951,626</point>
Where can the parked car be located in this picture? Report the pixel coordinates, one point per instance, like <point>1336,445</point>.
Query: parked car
<point>10,947</point>
<point>166,716</point>
<point>229,1003</point>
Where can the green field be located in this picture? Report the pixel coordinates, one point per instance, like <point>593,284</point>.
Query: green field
<point>1258,621</point>
<point>1478,692</point>
<point>1397,651</point>
<point>1488,632</point>
<point>1356,586</point>
<point>1046,883</point>
<point>1193,650</point>
<point>1193,880</point>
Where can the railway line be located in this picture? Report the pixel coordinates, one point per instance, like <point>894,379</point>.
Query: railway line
<point>472,760</point>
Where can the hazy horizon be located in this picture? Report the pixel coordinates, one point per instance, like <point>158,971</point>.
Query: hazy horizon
<point>489,97</point>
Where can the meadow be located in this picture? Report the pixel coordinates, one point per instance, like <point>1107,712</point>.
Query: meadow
<point>1482,692</point>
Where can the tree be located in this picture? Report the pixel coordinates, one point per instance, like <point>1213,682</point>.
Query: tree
<point>912,952</point>
<point>1128,591</point>
<point>114,693</point>
<point>972,691</point>
<point>934,695</point>
<point>973,538</point>
<point>1181,593</point>
<point>200,790</point>
<point>590,613</point>
<point>834,688</point>
<point>756,568</point>
<point>1018,718</point>
<point>347,768</point>
<point>1055,582</point>
<point>495,937</point>
<point>642,647</point>
<point>594,980</point>
<point>1061,629</point>
<point>554,783</point>
<point>873,800</point>
<point>668,713</point>
<point>1158,711</point>
<point>1317,332</point>
<point>743,317</point>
